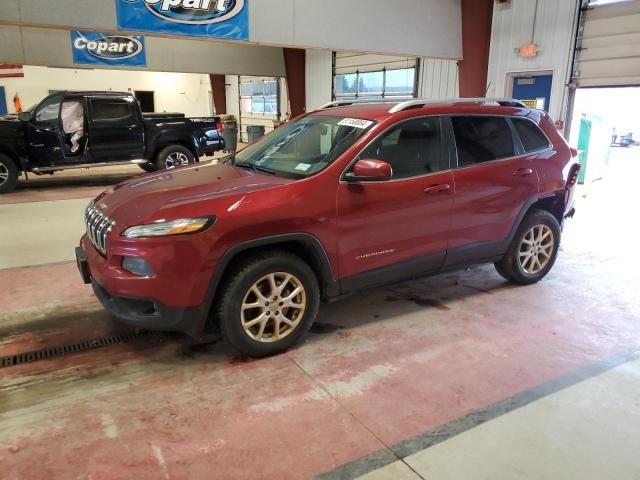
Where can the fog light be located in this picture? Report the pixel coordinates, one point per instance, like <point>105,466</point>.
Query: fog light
<point>137,266</point>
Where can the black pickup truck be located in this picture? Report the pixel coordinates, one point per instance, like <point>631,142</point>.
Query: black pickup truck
<point>93,129</point>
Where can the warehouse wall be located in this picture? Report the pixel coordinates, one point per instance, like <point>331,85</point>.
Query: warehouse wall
<point>438,79</point>
<point>174,92</point>
<point>512,27</point>
<point>412,27</point>
<point>319,78</point>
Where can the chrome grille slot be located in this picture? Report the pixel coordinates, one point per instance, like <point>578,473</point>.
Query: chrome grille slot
<point>98,227</point>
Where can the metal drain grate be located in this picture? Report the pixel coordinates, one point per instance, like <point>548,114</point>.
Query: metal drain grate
<point>52,352</point>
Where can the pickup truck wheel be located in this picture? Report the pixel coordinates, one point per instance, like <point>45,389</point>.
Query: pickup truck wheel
<point>267,304</point>
<point>533,250</point>
<point>148,167</point>
<point>8,174</point>
<point>174,156</point>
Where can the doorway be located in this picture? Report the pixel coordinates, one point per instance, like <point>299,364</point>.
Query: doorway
<point>533,90</point>
<point>146,100</point>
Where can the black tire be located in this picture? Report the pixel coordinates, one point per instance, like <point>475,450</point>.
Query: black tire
<point>163,158</point>
<point>149,167</point>
<point>8,174</point>
<point>511,267</point>
<point>236,288</point>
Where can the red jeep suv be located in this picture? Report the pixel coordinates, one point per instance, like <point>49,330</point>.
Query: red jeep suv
<point>344,198</point>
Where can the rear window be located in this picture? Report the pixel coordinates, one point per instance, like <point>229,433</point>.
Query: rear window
<point>482,139</point>
<point>530,135</point>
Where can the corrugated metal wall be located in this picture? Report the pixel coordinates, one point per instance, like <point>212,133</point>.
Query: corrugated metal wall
<point>438,79</point>
<point>610,53</point>
<point>318,78</point>
<point>554,32</point>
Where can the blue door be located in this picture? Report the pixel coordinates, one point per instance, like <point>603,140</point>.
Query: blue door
<point>533,90</point>
<point>3,102</point>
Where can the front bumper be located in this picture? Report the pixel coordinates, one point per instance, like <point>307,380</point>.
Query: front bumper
<point>147,313</point>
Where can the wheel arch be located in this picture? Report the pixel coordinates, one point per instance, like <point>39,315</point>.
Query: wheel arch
<point>11,154</point>
<point>306,246</point>
<point>164,141</point>
<point>553,204</point>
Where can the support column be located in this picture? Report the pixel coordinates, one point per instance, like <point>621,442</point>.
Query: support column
<point>295,62</point>
<point>476,39</point>
<point>219,93</point>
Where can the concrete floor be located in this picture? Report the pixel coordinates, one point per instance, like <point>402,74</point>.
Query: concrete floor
<point>456,376</point>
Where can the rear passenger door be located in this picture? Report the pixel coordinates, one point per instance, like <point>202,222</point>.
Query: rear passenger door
<point>115,129</point>
<point>494,180</point>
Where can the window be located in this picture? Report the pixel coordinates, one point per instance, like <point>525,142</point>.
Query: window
<point>412,148</point>
<point>303,147</point>
<point>259,97</point>
<point>108,109</point>
<point>530,135</point>
<point>49,110</point>
<point>379,84</point>
<point>482,139</point>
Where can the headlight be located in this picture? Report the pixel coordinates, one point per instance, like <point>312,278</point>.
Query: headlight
<point>182,226</point>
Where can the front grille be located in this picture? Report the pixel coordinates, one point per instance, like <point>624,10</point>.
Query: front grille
<point>98,227</point>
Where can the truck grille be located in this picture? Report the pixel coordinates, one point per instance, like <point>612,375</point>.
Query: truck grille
<point>98,227</point>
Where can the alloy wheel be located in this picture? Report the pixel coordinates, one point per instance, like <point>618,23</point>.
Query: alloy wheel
<point>536,249</point>
<point>176,159</point>
<point>273,307</point>
<point>4,174</point>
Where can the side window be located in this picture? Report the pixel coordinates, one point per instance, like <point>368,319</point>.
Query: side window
<point>530,135</point>
<point>412,148</point>
<point>482,139</point>
<point>49,110</point>
<point>110,109</point>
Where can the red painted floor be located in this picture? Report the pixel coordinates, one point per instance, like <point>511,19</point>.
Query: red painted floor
<point>378,368</point>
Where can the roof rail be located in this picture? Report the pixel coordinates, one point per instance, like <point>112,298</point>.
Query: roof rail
<point>343,103</point>
<point>503,102</point>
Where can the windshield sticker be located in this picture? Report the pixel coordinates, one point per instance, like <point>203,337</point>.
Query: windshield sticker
<point>355,123</point>
<point>303,167</point>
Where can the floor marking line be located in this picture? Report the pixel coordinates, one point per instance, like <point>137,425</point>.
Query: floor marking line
<point>423,441</point>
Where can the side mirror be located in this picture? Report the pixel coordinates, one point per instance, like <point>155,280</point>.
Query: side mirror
<point>24,116</point>
<point>369,170</point>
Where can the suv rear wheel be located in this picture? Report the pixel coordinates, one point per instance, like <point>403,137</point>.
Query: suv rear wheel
<point>174,156</point>
<point>8,174</point>
<point>268,304</point>
<point>533,250</point>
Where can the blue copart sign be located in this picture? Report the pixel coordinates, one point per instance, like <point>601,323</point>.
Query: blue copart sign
<point>108,49</point>
<point>204,18</point>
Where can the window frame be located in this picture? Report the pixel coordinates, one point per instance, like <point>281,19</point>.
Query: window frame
<point>517,145</point>
<point>264,97</point>
<point>60,98</point>
<point>517,134</point>
<point>384,94</point>
<point>101,121</point>
<point>448,143</point>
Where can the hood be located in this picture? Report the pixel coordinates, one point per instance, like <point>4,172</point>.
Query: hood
<point>10,122</point>
<point>187,191</point>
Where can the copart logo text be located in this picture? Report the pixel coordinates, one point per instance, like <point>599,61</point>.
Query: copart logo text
<point>195,12</point>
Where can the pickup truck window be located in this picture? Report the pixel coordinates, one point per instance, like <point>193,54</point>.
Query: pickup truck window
<point>108,109</point>
<point>49,110</point>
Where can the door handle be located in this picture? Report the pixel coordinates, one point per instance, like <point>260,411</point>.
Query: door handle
<point>439,188</point>
<point>523,172</point>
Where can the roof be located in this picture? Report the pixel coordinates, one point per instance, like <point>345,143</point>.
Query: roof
<point>97,93</point>
<point>380,111</point>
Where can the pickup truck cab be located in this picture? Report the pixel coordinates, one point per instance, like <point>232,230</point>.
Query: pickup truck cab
<point>90,129</point>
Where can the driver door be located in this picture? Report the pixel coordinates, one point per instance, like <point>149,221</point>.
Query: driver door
<point>44,133</point>
<point>390,230</point>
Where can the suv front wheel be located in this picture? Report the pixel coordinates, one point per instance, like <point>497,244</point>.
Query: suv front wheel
<point>268,303</point>
<point>533,250</point>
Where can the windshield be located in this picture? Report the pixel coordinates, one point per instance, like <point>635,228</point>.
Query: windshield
<point>304,147</point>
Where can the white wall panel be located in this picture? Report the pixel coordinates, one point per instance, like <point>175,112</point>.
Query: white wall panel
<point>318,78</point>
<point>438,79</point>
<point>554,32</point>
<point>173,92</point>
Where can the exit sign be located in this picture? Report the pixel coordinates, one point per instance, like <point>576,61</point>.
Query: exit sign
<point>528,50</point>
